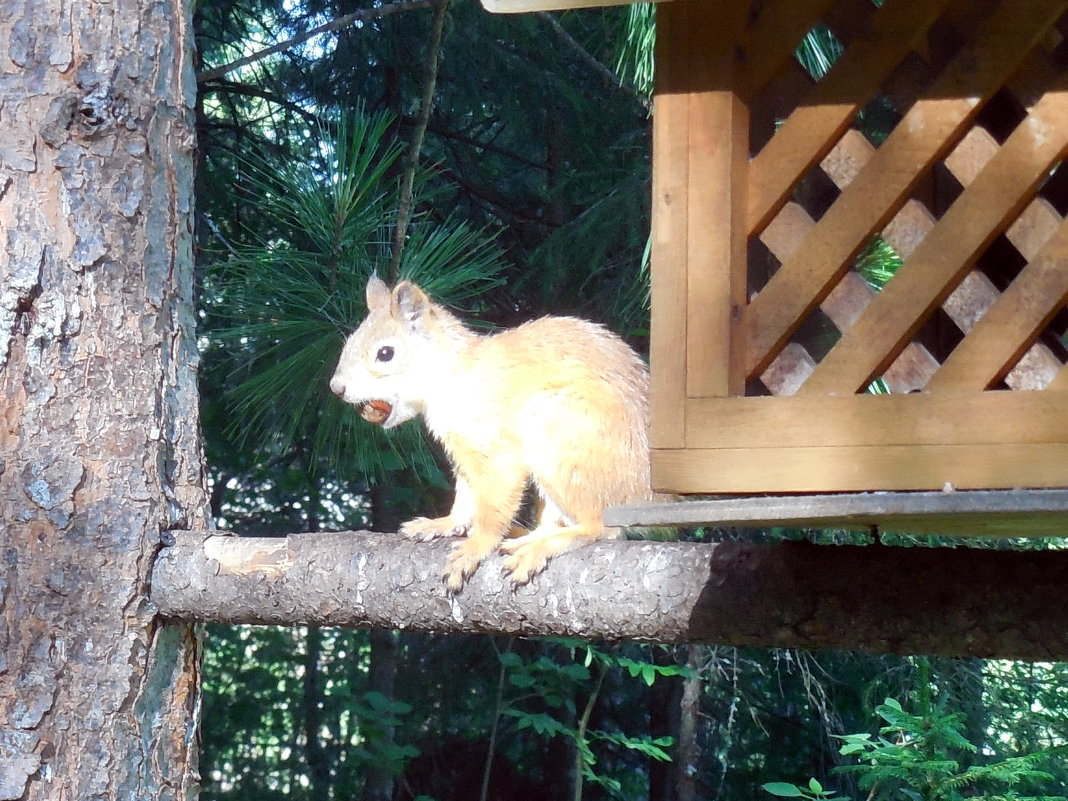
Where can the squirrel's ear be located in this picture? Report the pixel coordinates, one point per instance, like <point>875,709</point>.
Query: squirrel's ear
<point>377,294</point>
<point>410,303</point>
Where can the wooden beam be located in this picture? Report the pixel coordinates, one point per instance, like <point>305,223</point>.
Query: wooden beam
<point>943,418</point>
<point>954,602</point>
<point>1007,513</point>
<point>670,199</point>
<point>859,468</point>
<point>718,159</point>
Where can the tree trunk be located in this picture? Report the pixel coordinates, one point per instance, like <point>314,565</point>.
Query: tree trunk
<point>384,655</point>
<point>944,601</point>
<point>99,445</point>
<point>315,756</point>
<point>382,678</point>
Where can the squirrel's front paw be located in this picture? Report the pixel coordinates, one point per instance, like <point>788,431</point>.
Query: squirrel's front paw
<point>425,528</point>
<point>462,562</point>
<point>526,560</point>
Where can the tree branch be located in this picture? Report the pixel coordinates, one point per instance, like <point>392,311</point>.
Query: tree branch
<point>610,78</point>
<point>232,87</point>
<point>341,22</point>
<point>411,161</point>
<point>953,602</point>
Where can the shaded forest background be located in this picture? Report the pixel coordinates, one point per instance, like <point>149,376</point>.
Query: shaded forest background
<point>530,195</point>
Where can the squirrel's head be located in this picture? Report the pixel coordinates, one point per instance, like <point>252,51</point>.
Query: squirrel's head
<point>388,360</point>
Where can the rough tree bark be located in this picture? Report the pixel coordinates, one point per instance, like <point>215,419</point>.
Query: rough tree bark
<point>946,601</point>
<point>99,448</point>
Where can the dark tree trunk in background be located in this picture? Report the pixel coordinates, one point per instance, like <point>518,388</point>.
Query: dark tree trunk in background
<point>383,664</point>
<point>314,753</point>
<point>99,444</point>
<point>964,681</point>
<point>664,719</point>
<point>382,678</point>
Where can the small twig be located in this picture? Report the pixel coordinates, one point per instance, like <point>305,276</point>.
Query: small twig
<point>340,22</point>
<point>583,726</point>
<point>270,97</point>
<point>218,234</point>
<point>487,769</point>
<point>411,162</point>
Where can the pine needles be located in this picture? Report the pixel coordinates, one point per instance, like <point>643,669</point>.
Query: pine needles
<point>281,304</point>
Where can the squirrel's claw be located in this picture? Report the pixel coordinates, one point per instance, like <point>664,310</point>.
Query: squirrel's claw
<point>525,562</point>
<point>463,560</point>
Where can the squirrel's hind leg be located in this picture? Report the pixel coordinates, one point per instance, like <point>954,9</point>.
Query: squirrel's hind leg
<point>529,554</point>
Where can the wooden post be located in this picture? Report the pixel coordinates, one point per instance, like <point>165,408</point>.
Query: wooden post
<point>700,134</point>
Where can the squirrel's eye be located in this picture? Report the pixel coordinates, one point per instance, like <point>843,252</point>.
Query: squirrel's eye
<point>385,353</point>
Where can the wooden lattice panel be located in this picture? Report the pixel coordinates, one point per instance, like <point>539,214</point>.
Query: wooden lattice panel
<point>938,134</point>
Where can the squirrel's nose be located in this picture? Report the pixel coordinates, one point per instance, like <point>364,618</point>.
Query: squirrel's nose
<point>337,386</point>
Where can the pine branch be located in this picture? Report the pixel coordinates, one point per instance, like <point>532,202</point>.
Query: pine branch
<point>610,78</point>
<point>208,221</point>
<point>263,94</point>
<point>404,206</point>
<point>341,22</point>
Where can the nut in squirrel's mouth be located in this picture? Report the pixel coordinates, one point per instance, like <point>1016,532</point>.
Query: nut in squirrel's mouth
<point>376,411</point>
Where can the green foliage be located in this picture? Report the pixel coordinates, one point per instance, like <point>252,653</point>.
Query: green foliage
<point>635,61</point>
<point>878,262</point>
<point>762,714</point>
<point>557,682</point>
<point>254,693</point>
<point>818,51</point>
<point>279,307</point>
<point>814,791</point>
<point>378,714</point>
<point>919,757</point>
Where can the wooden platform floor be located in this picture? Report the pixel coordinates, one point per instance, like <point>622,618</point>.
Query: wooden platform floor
<point>1001,513</point>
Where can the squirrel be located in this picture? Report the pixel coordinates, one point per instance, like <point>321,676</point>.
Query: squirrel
<point>558,402</point>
